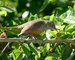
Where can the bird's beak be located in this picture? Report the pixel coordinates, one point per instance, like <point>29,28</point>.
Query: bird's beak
<point>55,28</point>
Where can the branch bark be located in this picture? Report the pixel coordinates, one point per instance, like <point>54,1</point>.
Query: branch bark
<point>37,40</point>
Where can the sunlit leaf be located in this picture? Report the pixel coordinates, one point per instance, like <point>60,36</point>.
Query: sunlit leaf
<point>20,57</point>
<point>3,13</point>
<point>46,17</point>
<point>49,58</point>
<point>51,17</point>
<point>6,9</point>
<point>70,27</point>
<point>70,16</point>
<point>50,34</point>
<point>74,6</point>
<point>16,54</point>
<point>46,48</point>
<point>14,22</point>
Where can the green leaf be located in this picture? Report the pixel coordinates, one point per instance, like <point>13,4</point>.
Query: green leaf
<point>32,17</point>
<point>52,17</point>
<point>45,4</point>
<point>47,46</point>
<point>63,16</point>
<point>50,34</point>
<point>62,27</point>
<point>70,16</point>
<point>66,52</point>
<point>15,45</point>
<point>3,13</point>
<point>16,54</point>
<point>46,17</point>
<point>65,36</point>
<point>13,32</point>
<point>33,49</point>
<point>53,54</point>
<point>20,57</point>
<point>69,27</point>
<point>14,22</point>
<point>6,9</point>
<point>49,58</point>
<point>74,6</point>
<point>46,49</point>
<point>4,57</point>
<point>26,49</point>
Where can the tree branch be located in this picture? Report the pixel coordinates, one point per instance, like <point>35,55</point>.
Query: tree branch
<point>37,40</point>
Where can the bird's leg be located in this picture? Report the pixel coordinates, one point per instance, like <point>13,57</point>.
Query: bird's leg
<point>32,37</point>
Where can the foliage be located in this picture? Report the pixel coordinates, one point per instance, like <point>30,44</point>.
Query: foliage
<point>61,12</point>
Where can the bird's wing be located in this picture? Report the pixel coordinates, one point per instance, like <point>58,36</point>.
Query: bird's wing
<point>31,26</point>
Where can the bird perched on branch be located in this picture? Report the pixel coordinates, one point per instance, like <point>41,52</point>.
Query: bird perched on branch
<point>35,27</point>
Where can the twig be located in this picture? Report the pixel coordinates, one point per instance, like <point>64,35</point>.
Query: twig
<point>9,40</point>
<point>5,48</point>
<point>37,40</point>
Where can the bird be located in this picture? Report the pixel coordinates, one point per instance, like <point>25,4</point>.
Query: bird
<point>34,27</point>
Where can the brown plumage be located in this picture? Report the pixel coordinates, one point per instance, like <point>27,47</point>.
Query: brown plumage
<point>35,27</point>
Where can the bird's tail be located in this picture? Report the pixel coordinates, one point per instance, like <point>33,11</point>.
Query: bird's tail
<point>15,27</point>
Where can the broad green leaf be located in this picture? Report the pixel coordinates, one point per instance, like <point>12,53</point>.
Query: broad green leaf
<point>63,16</point>
<point>70,16</point>
<point>20,57</point>
<point>33,49</point>
<point>45,4</point>
<point>14,23</point>
<point>3,13</point>
<point>46,49</point>
<point>42,35</point>
<point>16,54</point>
<point>41,58</point>
<point>32,17</point>
<point>52,17</point>
<point>47,46</point>
<point>58,49</point>
<point>12,32</point>
<point>66,52</point>
<point>49,58</point>
<point>50,34</point>
<point>53,54</point>
<point>62,27</point>
<point>4,57</point>
<point>46,17</point>
<point>70,26</point>
<point>74,6</point>
<point>26,49</point>
<point>65,36</point>
<point>63,1</point>
<point>1,29</point>
<point>15,45</point>
<point>6,9</point>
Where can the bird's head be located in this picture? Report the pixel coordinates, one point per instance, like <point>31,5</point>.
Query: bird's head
<point>51,25</point>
